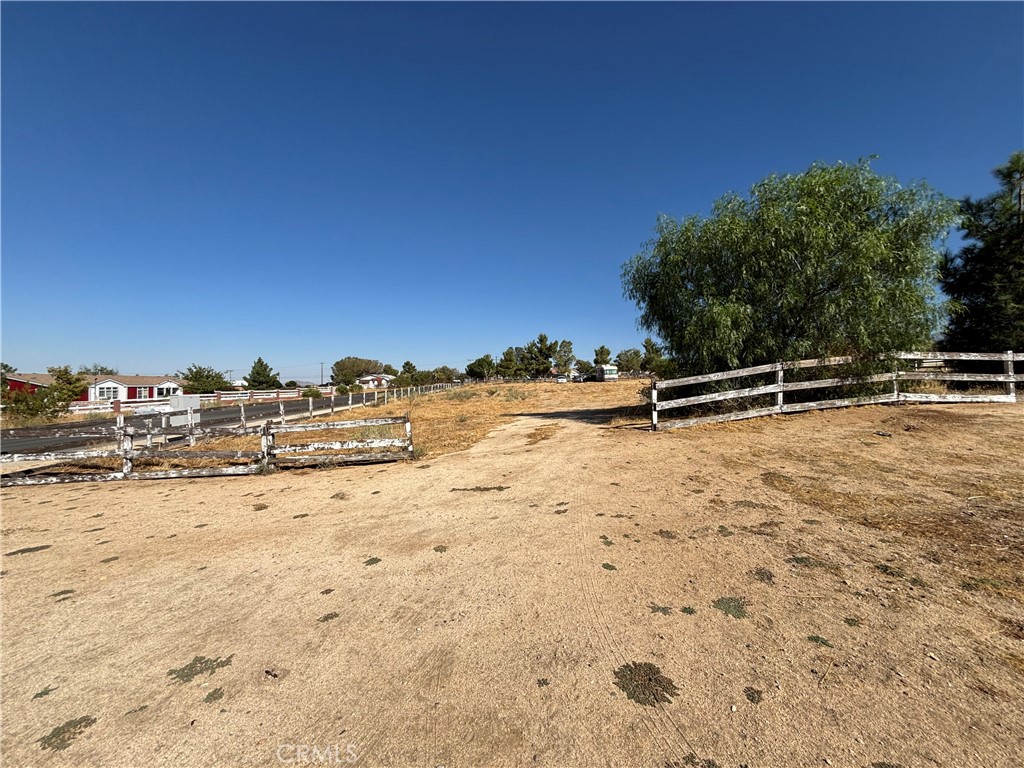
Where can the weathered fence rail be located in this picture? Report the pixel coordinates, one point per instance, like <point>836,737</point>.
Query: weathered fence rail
<point>925,370</point>
<point>372,449</point>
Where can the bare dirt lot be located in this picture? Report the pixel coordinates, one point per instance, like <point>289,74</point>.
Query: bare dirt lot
<point>841,588</point>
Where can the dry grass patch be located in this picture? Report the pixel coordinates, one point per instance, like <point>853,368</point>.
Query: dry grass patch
<point>453,421</point>
<point>541,433</point>
<point>933,480</point>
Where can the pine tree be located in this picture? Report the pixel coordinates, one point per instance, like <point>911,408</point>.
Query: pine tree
<point>262,376</point>
<point>985,280</point>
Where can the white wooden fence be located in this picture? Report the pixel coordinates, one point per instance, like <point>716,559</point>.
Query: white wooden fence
<point>373,449</point>
<point>929,367</point>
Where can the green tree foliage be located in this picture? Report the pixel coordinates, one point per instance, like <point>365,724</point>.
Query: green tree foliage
<point>98,370</point>
<point>602,355</point>
<point>656,363</point>
<point>585,367</point>
<point>834,260</point>
<point>50,401</point>
<point>65,389</point>
<point>481,368</point>
<point>630,360</point>
<point>408,369</point>
<point>652,354</point>
<point>564,357</point>
<point>510,365</point>
<point>348,369</point>
<point>390,370</point>
<point>262,376</point>
<point>444,374</point>
<point>21,405</point>
<point>985,280</point>
<point>540,355</point>
<point>6,368</point>
<point>202,380</point>
<point>312,392</point>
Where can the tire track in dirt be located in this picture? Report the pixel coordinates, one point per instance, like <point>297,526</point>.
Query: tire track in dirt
<point>658,722</point>
<point>426,684</point>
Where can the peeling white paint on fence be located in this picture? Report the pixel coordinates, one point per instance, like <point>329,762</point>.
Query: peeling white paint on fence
<point>372,449</point>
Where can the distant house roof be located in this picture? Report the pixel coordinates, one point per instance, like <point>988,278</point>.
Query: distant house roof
<point>45,379</point>
<point>376,376</point>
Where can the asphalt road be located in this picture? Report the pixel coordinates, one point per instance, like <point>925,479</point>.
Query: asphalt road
<point>227,416</point>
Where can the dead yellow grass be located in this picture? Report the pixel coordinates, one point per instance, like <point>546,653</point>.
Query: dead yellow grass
<point>915,477</point>
<point>452,421</point>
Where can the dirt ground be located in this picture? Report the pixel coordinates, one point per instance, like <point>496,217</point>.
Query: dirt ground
<point>838,588</point>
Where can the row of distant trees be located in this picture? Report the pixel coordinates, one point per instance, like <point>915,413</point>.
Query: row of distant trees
<point>344,374</point>
<point>541,357</point>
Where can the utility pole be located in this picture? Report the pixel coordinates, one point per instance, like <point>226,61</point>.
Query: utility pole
<point>321,374</point>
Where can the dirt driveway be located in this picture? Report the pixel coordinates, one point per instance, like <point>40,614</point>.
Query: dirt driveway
<point>836,588</point>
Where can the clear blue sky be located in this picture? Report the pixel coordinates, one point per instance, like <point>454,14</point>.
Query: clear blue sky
<point>206,183</point>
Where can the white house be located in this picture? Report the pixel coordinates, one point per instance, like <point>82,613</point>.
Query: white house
<point>375,381</point>
<point>119,387</point>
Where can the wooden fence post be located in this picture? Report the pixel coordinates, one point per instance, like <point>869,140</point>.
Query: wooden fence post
<point>311,407</point>
<point>149,433</point>
<point>124,445</point>
<point>349,399</point>
<point>408,432</point>
<point>241,413</point>
<point>191,428</point>
<point>332,402</point>
<point>780,380</point>
<point>385,397</point>
<point>281,408</point>
<point>654,405</point>
<point>1011,388</point>
<point>267,444</point>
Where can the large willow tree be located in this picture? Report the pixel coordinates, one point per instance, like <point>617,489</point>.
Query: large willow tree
<point>835,260</point>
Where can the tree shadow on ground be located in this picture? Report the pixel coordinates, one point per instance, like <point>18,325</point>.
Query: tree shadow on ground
<point>637,416</point>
